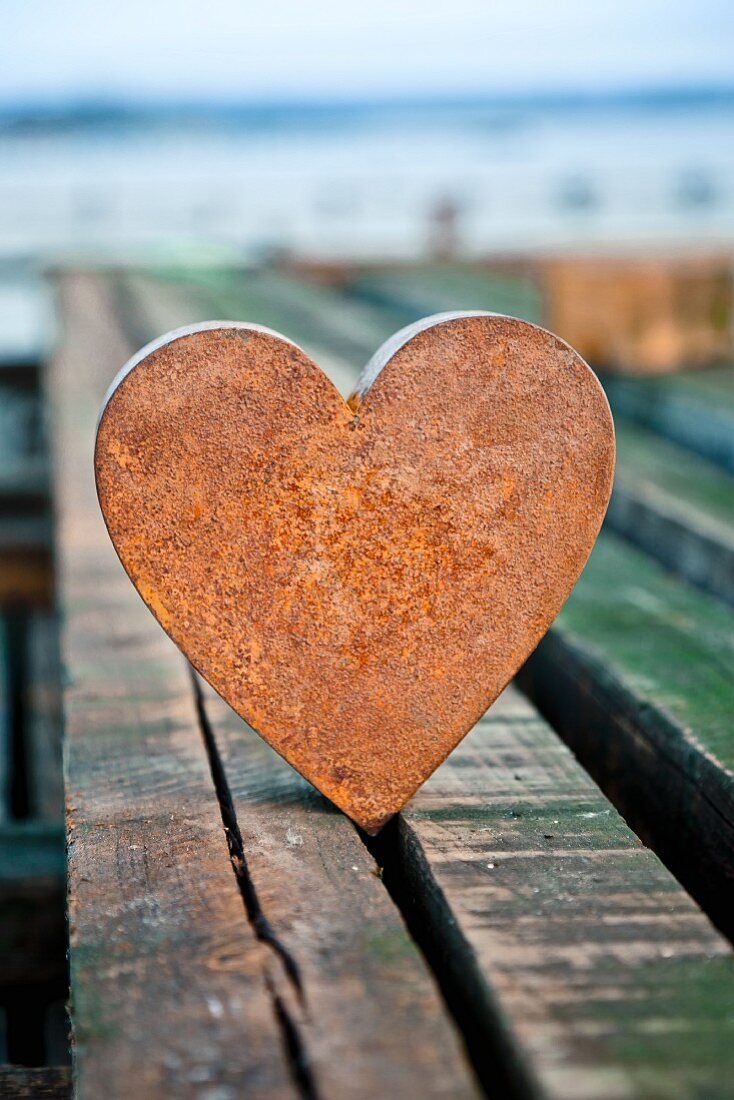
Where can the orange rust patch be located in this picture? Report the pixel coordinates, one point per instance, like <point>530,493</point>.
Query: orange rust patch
<point>358,588</point>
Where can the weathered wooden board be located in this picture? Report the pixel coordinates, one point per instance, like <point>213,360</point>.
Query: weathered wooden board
<point>358,968</point>
<point>638,676</point>
<point>169,991</point>
<point>531,894</point>
<point>360,975</point>
<point>677,507</point>
<point>678,411</point>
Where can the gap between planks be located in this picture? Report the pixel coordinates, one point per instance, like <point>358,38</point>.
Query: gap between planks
<point>294,1042</point>
<point>340,915</point>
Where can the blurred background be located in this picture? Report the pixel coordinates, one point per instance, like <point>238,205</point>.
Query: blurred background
<point>394,132</point>
<point>337,170</point>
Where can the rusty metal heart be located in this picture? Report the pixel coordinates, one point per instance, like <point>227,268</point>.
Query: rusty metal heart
<point>359,580</point>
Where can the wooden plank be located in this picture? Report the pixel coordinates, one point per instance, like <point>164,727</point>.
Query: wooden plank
<point>528,890</point>
<point>46,1083</point>
<point>638,676</point>
<point>676,413</point>
<point>169,984</point>
<point>373,1021</point>
<point>677,507</point>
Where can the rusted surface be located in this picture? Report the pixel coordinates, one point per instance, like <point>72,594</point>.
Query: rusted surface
<point>358,582</point>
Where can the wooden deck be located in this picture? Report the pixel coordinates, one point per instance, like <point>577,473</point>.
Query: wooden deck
<point>508,935</point>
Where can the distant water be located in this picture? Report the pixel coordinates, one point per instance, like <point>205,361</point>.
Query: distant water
<point>376,183</point>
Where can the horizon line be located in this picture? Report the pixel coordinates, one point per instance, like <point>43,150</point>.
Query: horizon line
<point>119,104</point>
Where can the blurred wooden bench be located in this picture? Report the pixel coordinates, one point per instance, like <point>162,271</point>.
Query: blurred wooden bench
<point>509,935</point>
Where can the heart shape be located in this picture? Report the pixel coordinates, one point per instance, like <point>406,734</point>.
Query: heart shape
<point>358,580</point>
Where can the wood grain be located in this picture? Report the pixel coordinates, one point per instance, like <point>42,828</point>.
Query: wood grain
<point>169,993</point>
<point>528,890</point>
<point>638,675</point>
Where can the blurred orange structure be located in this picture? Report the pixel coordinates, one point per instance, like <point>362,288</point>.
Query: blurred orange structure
<point>639,316</point>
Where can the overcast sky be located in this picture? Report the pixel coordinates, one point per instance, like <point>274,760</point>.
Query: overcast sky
<point>284,49</point>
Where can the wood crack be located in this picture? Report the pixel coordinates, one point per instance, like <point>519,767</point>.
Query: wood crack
<point>294,1043</point>
<point>492,1049</point>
